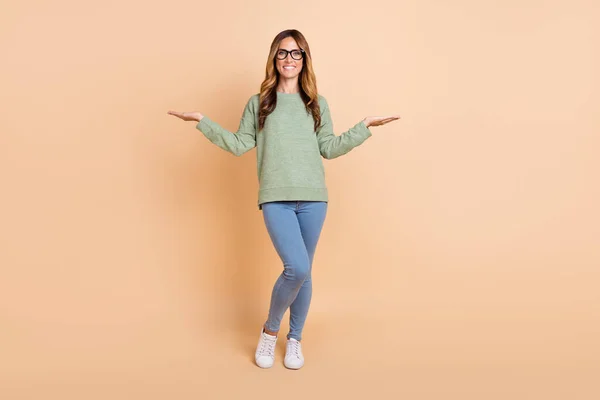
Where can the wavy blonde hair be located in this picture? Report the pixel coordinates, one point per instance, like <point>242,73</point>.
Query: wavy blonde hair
<point>307,80</point>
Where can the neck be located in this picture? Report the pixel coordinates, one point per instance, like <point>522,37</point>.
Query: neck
<point>288,87</point>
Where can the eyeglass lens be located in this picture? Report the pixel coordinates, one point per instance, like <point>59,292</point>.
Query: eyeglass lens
<point>282,54</point>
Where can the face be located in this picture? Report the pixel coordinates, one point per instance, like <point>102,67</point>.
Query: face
<point>289,68</point>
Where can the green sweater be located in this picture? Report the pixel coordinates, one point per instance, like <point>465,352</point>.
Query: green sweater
<point>289,152</point>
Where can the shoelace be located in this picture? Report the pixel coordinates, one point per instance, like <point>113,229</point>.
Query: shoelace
<point>267,348</point>
<point>294,348</point>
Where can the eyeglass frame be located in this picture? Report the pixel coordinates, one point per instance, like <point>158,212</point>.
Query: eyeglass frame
<point>289,52</point>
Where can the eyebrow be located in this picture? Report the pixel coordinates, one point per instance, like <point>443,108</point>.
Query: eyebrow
<point>287,49</point>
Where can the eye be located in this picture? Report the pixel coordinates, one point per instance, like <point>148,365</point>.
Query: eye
<point>296,53</point>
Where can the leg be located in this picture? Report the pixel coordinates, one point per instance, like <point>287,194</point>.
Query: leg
<point>311,217</point>
<point>284,229</point>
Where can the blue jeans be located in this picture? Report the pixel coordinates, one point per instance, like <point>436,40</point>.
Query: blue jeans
<point>294,228</point>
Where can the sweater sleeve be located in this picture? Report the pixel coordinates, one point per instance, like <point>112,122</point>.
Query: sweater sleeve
<point>332,146</point>
<point>236,143</point>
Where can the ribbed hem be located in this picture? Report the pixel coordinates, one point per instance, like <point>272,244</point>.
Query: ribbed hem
<point>292,193</point>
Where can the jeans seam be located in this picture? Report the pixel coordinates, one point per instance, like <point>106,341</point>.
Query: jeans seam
<point>278,286</point>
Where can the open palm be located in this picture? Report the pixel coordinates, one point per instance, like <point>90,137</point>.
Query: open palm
<point>187,116</point>
<point>376,121</point>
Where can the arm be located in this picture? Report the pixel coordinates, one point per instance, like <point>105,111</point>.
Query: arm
<point>236,143</point>
<point>332,146</point>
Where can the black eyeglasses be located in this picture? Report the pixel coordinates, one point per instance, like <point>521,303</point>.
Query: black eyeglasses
<point>296,54</point>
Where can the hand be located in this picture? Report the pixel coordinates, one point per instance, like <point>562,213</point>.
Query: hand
<point>376,121</point>
<point>187,116</point>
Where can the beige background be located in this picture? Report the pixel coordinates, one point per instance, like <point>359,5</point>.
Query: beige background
<point>460,255</point>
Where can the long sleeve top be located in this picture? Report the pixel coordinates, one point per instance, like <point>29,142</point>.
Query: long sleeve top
<point>289,150</point>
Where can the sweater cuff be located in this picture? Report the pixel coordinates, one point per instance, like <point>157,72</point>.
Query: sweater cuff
<point>201,123</point>
<point>364,131</point>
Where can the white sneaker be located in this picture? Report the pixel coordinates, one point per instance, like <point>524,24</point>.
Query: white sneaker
<point>293,354</point>
<point>265,350</point>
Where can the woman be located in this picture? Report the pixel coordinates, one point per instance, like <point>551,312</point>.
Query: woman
<point>290,125</point>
